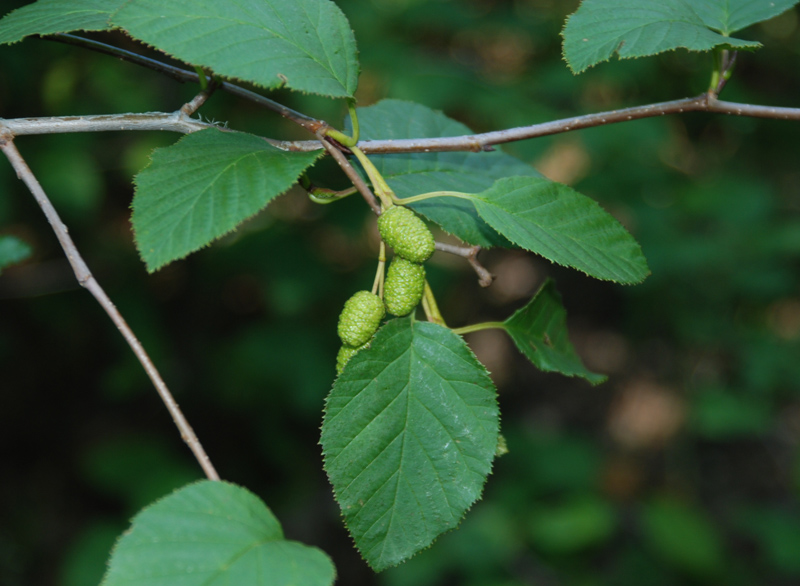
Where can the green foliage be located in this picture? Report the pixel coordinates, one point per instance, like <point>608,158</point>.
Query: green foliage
<point>405,283</point>
<point>403,231</point>
<point>411,427</point>
<point>360,318</point>
<point>12,251</point>
<point>539,331</point>
<point>414,173</point>
<point>202,187</point>
<point>563,226</point>
<point>723,413</point>
<point>408,438</point>
<point>683,535</point>
<point>777,533</point>
<point>730,16</point>
<point>213,533</point>
<point>636,28</point>
<point>305,44</point>
<point>573,525</point>
<point>46,17</point>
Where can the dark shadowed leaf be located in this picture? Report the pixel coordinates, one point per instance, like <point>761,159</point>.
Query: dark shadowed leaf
<point>540,332</point>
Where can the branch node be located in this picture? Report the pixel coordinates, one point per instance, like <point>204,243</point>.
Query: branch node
<point>485,278</point>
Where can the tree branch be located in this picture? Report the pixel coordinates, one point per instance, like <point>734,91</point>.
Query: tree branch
<point>485,278</point>
<point>88,281</point>
<point>485,141</point>
<point>478,142</point>
<point>184,75</point>
<point>179,122</point>
<point>352,174</point>
<point>176,121</point>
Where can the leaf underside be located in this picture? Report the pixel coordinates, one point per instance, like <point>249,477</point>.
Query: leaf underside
<point>213,534</point>
<point>307,45</point>
<point>203,186</point>
<point>47,17</point>
<point>638,28</point>
<point>563,226</point>
<point>539,331</point>
<point>415,173</point>
<point>409,434</point>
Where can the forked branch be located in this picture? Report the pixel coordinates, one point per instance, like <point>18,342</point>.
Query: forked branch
<point>485,278</point>
<point>179,122</point>
<point>707,102</point>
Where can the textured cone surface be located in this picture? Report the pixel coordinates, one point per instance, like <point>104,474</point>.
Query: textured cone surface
<point>406,233</point>
<point>345,354</point>
<point>360,318</point>
<point>405,282</point>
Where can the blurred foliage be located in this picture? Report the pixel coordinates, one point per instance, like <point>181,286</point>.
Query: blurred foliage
<point>682,469</point>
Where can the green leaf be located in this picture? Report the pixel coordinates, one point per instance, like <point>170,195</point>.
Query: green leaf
<point>724,414</point>
<point>540,332</point>
<point>683,536</point>
<point>563,226</point>
<point>203,186</point>
<point>638,28</point>
<point>575,524</point>
<point>409,434</point>
<point>729,16</point>
<point>305,44</point>
<point>12,251</point>
<point>46,17</point>
<point>776,530</point>
<point>415,173</point>
<point>213,534</point>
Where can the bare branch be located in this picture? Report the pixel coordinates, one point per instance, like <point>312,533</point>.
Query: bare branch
<point>197,102</point>
<point>86,280</point>
<point>752,110</point>
<point>179,122</point>
<point>485,141</point>
<point>174,122</point>
<point>352,174</point>
<point>485,278</point>
<point>183,75</point>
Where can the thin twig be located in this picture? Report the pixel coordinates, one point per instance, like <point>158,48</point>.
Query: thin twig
<point>196,103</point>
<point>484,142</point>
<point>485,278</point>
<point>476,142</point>
<point>183,75</point>
<point>352,174</point>
<point>177,122</point>
<point>88,281</point>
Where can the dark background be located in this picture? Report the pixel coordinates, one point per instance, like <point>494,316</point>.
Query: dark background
<point>682,469</point>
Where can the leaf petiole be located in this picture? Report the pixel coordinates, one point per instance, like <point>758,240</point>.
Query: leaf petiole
<point>431,195</point>
<point>487,325</point>
<point>323,195</point>
<point>202,78</point>
<point>431,308</point>
<point>377,285</point>
<point>341,137</point>
<point>382,189</point>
